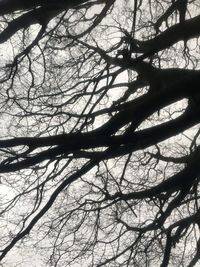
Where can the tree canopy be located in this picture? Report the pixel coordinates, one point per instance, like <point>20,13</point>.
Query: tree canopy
<point>99,144</point>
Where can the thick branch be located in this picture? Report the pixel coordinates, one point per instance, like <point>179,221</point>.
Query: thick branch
<point>172,184</point>
<point>37,16</point>
<point>9,6</point>
<point>179,32</point>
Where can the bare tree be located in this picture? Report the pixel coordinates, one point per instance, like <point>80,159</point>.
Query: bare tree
<point>100,113</point>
